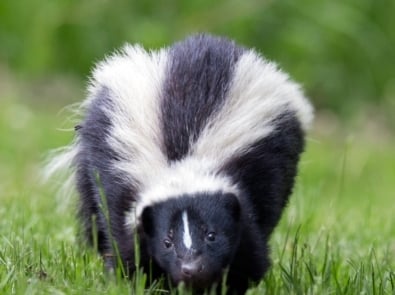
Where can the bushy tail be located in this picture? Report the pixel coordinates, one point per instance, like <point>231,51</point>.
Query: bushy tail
<point>58,167</point>
<point>59,172</point>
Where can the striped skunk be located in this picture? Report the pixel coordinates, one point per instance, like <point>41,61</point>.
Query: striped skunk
<point>196,147</point>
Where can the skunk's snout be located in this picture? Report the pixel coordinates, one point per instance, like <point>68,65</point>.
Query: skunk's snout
<point>191,268</point>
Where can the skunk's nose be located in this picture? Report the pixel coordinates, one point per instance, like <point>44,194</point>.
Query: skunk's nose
<point>191,268</point>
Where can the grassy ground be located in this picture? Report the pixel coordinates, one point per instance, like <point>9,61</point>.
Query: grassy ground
<point>336,237</point>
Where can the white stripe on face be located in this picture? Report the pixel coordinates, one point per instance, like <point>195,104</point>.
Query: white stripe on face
<point>187,234</point>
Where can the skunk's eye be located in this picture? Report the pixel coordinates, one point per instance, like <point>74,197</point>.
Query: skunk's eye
<point>211,236</point>
<point>167,243</point>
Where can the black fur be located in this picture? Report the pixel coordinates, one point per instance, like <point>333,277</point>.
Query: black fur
<point>196,85</point>
<point>208,213</point>
<point>92,172</point>
<point>267,171</point>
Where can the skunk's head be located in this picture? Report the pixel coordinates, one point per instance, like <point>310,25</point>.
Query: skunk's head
<point>193,237</point>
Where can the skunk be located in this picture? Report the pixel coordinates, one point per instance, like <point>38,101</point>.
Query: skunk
<point>192,149</point>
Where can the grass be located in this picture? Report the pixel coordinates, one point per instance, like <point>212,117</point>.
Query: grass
<point>337,235</point>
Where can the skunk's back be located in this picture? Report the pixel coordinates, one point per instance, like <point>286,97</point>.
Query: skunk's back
<point>194,117</point>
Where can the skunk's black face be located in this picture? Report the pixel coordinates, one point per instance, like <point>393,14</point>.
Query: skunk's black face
<point>193,238</point>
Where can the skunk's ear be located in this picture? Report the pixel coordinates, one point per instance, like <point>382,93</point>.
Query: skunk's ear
<point>147,220</point>
<point>232,204</point>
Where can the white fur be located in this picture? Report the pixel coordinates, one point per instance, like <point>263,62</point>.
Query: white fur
<point>59,163</point>
<point>187,238</point>
<point>188,176</point>
<point>134,79</point>
<point>59,169</point>
<point>258,93</point>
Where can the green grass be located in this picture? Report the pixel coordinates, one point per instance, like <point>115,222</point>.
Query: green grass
<point>337,235</point>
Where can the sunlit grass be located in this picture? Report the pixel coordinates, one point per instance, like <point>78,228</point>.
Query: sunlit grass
<point>337,235</point>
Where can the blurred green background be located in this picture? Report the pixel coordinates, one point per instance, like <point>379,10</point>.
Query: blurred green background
<point>343,52</point>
